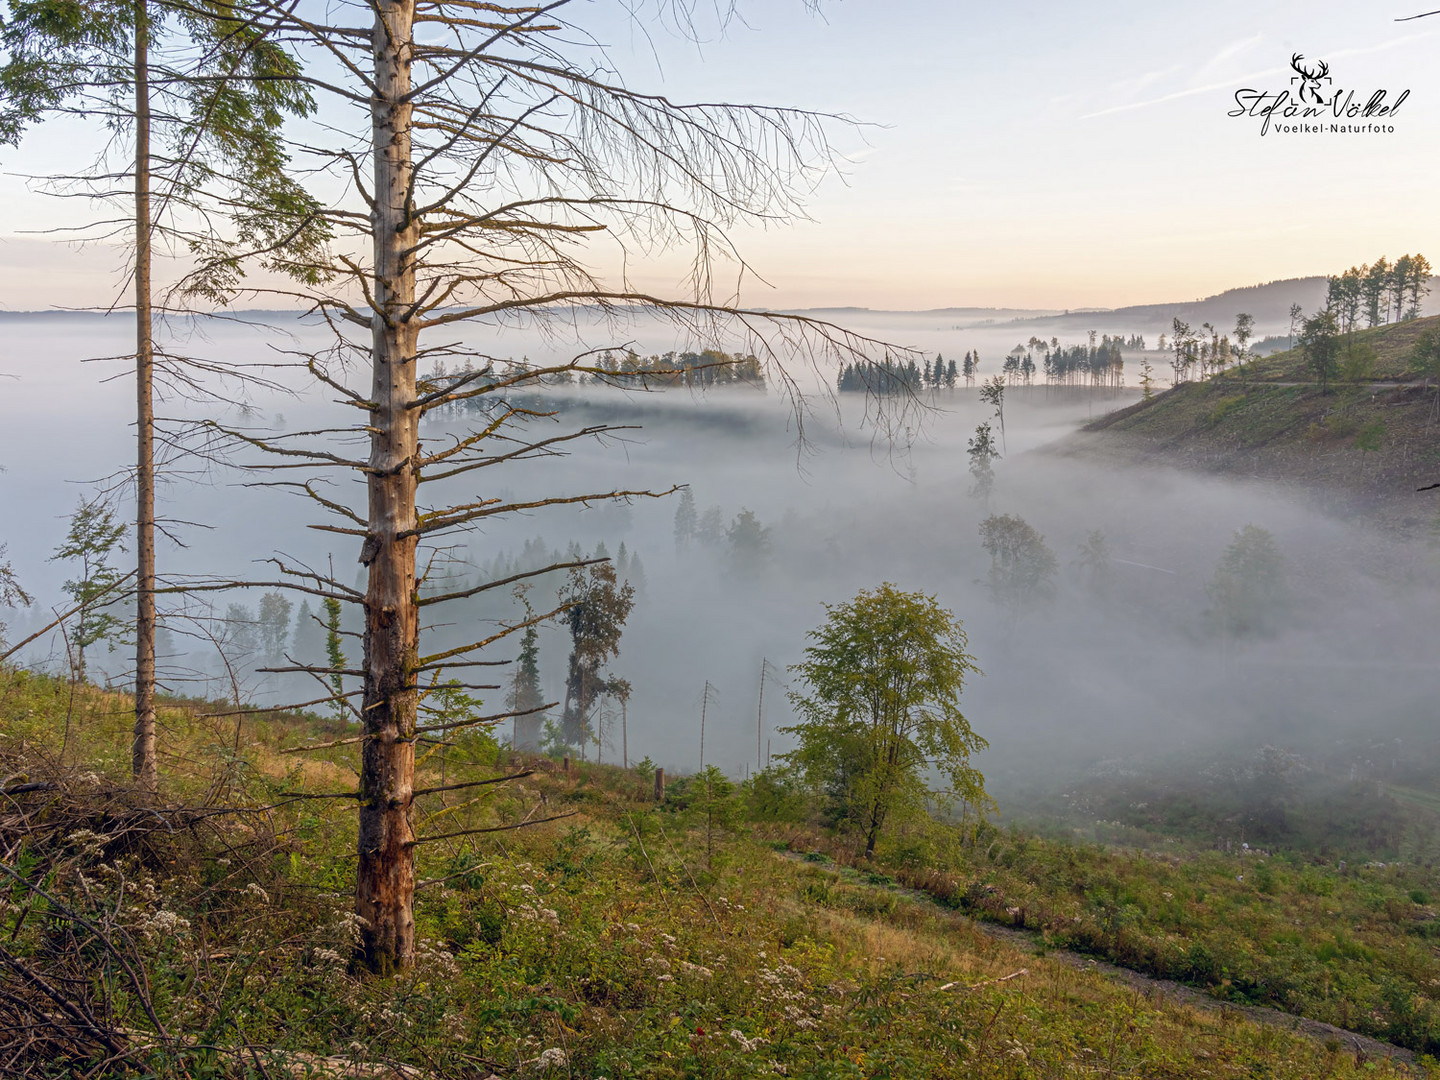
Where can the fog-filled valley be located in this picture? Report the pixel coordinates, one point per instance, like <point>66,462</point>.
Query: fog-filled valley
<point>590,541</point>
<point>1113,666</point>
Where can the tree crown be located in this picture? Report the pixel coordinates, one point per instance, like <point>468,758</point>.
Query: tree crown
<point>881,708</point>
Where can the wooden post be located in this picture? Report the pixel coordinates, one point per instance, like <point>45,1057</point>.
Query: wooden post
<point>760,712</point>
<point>659,785</point>
<point>566,765</point>
<point>704,704</point>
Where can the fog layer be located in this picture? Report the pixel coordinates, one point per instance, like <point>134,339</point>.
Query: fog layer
<point>1091,674</point>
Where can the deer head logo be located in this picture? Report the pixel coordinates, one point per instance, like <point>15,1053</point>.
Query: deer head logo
<point>1310,78</point>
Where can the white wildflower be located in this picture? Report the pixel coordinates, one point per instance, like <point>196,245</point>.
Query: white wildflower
<point>350,925</point>
<point>436,955</point>
<point>161,925</point>
<point>552,1058</point>
<point>89,843</point>
<point>745,1044</point>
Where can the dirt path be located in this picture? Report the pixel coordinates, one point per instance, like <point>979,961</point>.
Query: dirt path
<point>1030,941</point>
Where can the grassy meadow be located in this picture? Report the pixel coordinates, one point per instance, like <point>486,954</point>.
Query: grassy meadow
<point>211,935</point>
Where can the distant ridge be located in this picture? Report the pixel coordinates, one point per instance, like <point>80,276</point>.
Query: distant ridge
<point>237,314</point>
<point>1268,302</point>
<point>990,312</point>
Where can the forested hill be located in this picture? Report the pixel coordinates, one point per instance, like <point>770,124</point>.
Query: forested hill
<point>1366,440</point>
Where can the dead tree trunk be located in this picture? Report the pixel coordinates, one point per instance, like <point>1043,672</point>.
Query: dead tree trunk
<point>386,882</point>
<point>512,101</point>
<point>142,762</point>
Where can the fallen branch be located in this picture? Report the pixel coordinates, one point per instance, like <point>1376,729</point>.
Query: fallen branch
<point>471,783</point>
<point>987,982</point>
<point>493,828</point>
<point>21,789</point>
<point>425,729</point>
<point>61,618</point>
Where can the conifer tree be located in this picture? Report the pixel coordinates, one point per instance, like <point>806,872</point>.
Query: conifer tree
<point>1244,330</point>
<point>273,624</point>
<point>334,653</point>
<point>749,543</point>
<point>983,454</point>
<point>201,91</point>
<point>525,698</point>
<point>1373,290</point>
<point>992,392</point>
<point>686,519</point>
<point>596,607</point>
<point>308,643</point>
<point>1248,593</point>
<point>1417,284</point>
<point>11,593</point>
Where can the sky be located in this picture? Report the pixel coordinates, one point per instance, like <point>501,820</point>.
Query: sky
<point>1035,155</point>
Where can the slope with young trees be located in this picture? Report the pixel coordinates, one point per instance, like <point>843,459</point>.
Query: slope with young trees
<point>1351,412</point>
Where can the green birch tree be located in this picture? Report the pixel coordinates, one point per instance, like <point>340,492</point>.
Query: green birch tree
<point>880,710</point>
<point>93,535</point>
